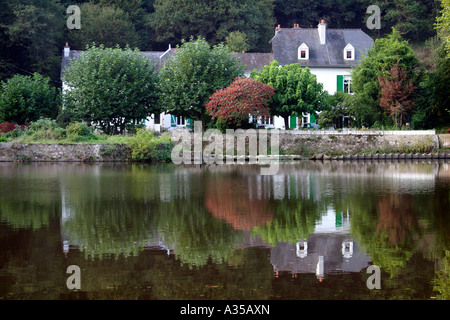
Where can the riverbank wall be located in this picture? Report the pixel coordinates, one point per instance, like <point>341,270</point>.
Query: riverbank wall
<point>293,145</point>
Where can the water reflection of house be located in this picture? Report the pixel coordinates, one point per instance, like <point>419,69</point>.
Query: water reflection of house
<point>329,250</point>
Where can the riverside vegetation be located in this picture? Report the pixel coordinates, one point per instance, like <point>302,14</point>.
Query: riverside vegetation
<point>144,145</point>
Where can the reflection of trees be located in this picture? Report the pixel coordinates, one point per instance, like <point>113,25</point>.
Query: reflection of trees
<point>27,201</point>
<point>186,227</point>
<point>397,218</point>
<point>109,226</point>
<point>294,219</point>
<point>232,200</point>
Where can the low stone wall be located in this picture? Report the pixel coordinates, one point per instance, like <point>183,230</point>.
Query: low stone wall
<point>81,152</point>
<point>346,144</point>
<point>292,145</point>
<point>444,140</point>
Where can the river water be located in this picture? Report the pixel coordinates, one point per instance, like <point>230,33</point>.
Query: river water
<point>315,230</point>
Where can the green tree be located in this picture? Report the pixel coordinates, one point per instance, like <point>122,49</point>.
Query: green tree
<point>414,19</point>
<point>337,104</point>
<point>385,53</point>
<point>432,99</point>
<point>213,20</point>
<point>443,24</point>
<point>193,74</point>
<point>27,98</point>
<point>105,25</point>
<point>237,41</point>
<point>31,37</point>
<point>112,88</point>
<point>296,90</point>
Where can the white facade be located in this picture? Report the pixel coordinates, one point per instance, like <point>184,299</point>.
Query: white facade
<point>328,77</point>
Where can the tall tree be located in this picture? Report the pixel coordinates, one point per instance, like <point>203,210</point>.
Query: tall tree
<point>396,94</point>
<point>385,53</point>
<point>30,37</point>
<point>111,88</point>
<point>193,74</point>
<point>296,90</point>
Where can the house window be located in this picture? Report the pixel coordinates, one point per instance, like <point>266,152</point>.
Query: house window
<point>348,84</point>
<point>157,118</point>
<point>303,52</point>
<point>181,121</point>
<point>349,52</point>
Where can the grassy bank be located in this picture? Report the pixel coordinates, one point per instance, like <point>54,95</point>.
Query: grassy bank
<point>144,145</point>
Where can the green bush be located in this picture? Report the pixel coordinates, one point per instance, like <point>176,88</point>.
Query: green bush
<point>43,129</point>
<point>79,131</point>
<point>146,146</point>
<point>27,98</point>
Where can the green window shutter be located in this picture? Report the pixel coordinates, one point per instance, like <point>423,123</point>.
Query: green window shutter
<point>293,122</point>
<point>312,118</point>
<point>173,121</point>
<point>188,123</point>
<point>340,83</point>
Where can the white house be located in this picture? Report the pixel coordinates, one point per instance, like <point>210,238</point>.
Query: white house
<point>330,55</point>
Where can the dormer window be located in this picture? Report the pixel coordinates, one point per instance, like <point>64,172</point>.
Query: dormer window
<point>303,52</point>
<point>349,52</point>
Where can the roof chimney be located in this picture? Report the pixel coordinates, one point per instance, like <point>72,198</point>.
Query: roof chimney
<point>322,28</point>
<point>66,50</point>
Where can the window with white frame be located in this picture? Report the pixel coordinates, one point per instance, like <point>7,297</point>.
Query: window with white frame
<point>348,84</point>
<point>303,52</point>
<point>349,52</point>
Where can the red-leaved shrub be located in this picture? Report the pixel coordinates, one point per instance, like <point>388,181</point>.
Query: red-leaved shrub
<point>7,127</point>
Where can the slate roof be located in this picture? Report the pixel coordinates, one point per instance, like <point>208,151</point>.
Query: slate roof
<point>283,256</point>
<point>254,60</point>
<point>287,40</point>
<point>155,56</point>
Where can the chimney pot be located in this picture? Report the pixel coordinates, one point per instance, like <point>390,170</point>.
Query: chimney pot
<point>322,29</point>
<point>66,50</point>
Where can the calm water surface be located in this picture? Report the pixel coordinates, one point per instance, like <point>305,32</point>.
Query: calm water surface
<point>225,232</point>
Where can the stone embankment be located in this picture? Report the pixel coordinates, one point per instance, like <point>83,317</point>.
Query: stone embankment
<point>293,145</point>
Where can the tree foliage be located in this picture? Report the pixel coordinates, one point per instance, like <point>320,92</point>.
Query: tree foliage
<point>112,88</point>
<point>396,94</point>
<point>296,90</point>
<point>244,97</point>
<point>24,99</point>
<point>443,24</point>
<point>213,20</point>
<point>385,53</point>
<point>414,19</point>
<point>237,41</point>
<point>105,25</point>
<point>193,74</point>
